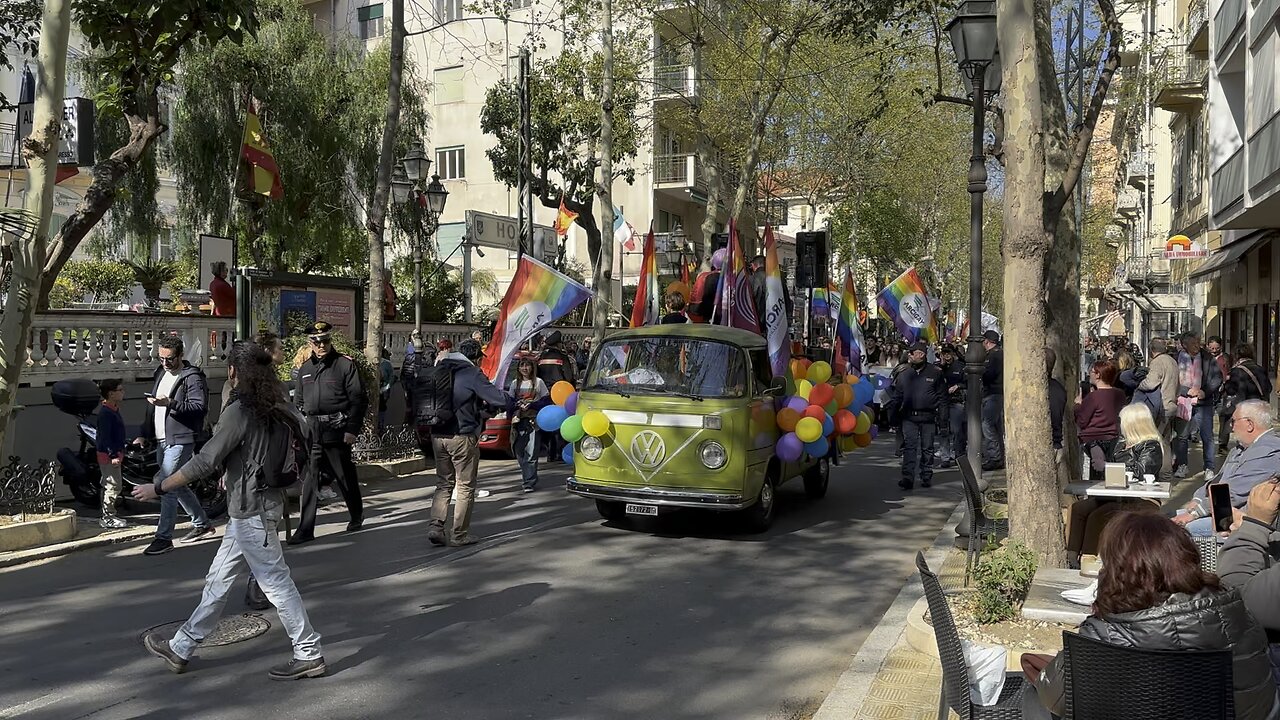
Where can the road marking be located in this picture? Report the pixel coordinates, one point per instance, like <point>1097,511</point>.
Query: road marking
<point>30,705</point>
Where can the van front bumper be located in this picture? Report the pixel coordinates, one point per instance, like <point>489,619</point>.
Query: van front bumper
<point>668,498</point>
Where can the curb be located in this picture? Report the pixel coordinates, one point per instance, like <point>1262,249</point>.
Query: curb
<point>850,691</point>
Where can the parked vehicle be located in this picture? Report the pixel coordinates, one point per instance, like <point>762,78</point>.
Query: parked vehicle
<point>496,436</point>
<point>79,468</point>
<point>692,425</point>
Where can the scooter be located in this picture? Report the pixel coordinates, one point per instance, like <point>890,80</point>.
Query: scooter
<point>80,398</point>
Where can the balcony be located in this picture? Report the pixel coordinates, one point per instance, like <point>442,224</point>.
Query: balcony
<point>679,176</point>
<point>1226,191</point>
<point>1138,169</point>
<point>1128,203</point>
<point>1198,28</point>
<point>674,82</point>
<point>1180,80</point>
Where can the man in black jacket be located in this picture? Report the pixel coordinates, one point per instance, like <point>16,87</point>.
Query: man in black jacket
<point>917,394</point>
<point>177,405</point>
<point>554,365</point>
<point>457,443</point>
<point>953,382</point>
<point>993,403</point>
<point>1203,388</point>
<point>330,394</point>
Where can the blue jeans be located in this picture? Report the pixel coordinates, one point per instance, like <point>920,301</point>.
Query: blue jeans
<point>171,459</point>
<point>524,443</point>
<point>1200,527</point>
<point>1201,422</point>
<point>993,429</point>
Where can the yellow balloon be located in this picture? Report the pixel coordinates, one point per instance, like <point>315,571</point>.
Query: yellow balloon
<point>596,423</point>
<point>561,391</point>
<point>847,444</point>
<point>864,424</point>
<point>803,388</point>
<point>820,371</point>
<point>808,429</point>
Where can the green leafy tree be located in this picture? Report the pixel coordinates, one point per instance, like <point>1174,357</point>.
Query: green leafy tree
<point>19,27</point>
<point>104,280</point>
<point>136,45</point>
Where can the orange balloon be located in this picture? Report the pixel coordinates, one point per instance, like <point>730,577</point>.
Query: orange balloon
<point>679,287</point>
<point>821,394</point>
<point>561,391</point>
<point>844,395</point>
<point>862,440</point>
<point>798,370</point>
<point>816,412</point>
<point>845,422</point>
<point>787,419</point>
<point>852,379</point>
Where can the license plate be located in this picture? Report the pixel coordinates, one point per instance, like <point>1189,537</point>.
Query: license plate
<point>633,509</point>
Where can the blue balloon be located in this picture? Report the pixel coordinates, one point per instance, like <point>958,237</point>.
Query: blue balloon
<point>828,426</point>
<point>818,448</point>
<point>856,407</point>
<point>863,393</point>
<point>567,454</point>
<point>551,417</point>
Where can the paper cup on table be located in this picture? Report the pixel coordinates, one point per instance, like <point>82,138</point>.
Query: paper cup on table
<point>1149,479</point>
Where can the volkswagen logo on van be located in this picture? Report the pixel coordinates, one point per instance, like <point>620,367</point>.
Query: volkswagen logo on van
<point>648,449</point>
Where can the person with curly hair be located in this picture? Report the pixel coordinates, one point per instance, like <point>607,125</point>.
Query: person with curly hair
<point>238,449</point>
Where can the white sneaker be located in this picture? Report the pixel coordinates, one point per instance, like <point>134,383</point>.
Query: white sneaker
<point>1180,472</point>
<point>479,494</point>
<point>327,494</point>
<point>112,522</point>
<point>1209,475</point>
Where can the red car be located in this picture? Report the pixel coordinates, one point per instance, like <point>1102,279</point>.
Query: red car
<point>496,436</point>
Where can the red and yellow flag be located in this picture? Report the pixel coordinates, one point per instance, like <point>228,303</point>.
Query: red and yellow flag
<point>647,307</point>
<point>564,219</point>
<point>264,174</point>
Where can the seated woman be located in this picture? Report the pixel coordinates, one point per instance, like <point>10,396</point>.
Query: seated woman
<point>1152,595</point>
<point>1144,453</point>
<point>1098,416</point>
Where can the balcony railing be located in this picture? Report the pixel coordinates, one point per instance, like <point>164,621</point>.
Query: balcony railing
<point>1198,26</point>
<point>1138,168</point>
<point>1180,80</point>
<point>674,81</point>
<point>1147,269</point>
<point>1128,201</point>
<point>680,169</point>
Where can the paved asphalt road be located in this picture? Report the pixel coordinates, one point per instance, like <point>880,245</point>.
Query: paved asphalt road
<point>557,615</point>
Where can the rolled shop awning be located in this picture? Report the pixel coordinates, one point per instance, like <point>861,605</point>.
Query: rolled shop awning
<point>1226,258</point>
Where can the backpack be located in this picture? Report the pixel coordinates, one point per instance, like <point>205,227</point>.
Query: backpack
<point>285,453</point>
<point>433,396</point>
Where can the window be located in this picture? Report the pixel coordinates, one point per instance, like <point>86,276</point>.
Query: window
<point>520,4</point>
<point>370,17</point>
<point>448,10</point>
<point>448,85</point>
<point>1193,173</point>
<point>670,366</point>
<point>451,163</point>
<point>669,222</point>
<point>165,249</point>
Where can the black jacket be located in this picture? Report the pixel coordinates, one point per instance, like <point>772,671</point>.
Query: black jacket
<point>1145,458</point>
<point>917,393</point>
<point>954,374</point>
<point>1057,409</point>
<point>187,408</point>
<point>327,387</point>
<point>471,389</point>
<point>1211,377</point>
<point>1240,385</point>
<point>554,365</point>
<point>993,373</point>
<point>1251,561</point>
<point>1209,621</point>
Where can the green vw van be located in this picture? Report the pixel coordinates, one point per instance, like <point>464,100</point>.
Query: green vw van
<point>692,425</point>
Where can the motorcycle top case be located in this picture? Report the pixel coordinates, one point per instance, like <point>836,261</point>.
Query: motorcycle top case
<point>79,396</point>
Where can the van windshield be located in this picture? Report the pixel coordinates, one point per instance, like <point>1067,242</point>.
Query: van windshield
<point>670,365</point>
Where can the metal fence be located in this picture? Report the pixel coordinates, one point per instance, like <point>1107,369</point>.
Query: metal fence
<point>27,489</point>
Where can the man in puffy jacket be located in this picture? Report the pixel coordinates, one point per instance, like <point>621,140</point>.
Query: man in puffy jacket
<point>1248,561</point>
<point>917,395</point>
<point>456,443</point>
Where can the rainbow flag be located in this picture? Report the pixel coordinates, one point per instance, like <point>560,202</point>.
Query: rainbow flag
<point>736,305</point>
<point>264,174</point>
<point>775,308</point>
<point>848,331</point>
<point>647,307</point>
<point>821,305</point>
<point>538,296</point>
<point>906,302</point>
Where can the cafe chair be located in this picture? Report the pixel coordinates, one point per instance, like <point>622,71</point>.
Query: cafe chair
<point>955,670</point>
<point>1110,682</point>
<point>980,526</point>
<point>1208,547</point>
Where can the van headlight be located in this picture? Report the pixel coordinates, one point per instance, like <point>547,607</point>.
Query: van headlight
<point>712,454</point>
<point>591,447</point>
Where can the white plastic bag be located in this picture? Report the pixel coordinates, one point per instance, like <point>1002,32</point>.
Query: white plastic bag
<point>986,671</point>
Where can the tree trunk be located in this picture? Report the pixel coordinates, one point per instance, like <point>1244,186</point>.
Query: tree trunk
<point>382,189</point>
<point>1023,30</point>
<point>28,250</point>
<point>603,284</point>
<point>101,195</point>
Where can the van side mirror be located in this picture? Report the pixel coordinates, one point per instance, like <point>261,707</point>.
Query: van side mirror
<point>777,388</point>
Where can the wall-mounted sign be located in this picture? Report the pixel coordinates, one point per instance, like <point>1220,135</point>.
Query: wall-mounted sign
<point>76,145</point>
<point>1181,247</point>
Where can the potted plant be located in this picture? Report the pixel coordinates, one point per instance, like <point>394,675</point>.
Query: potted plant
<point>152,276</point>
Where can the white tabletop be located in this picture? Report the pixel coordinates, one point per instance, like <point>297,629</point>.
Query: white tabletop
<point>1158,491</point>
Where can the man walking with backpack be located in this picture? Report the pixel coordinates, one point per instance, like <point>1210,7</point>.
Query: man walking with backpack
<point>331,396</point>
<point>450,401</point>
<point>259,443</point>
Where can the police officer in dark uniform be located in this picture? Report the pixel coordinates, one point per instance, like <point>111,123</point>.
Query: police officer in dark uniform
<point>554,365</point>
<point>329,393</point>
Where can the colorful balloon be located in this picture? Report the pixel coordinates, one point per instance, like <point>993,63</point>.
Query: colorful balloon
<point>818,448</point>
<point>787,419</point>
<point>847,444</point>
<point>844,396</point>
<point>863,424</point>
<point>717,258</point>
<point>595,423</point>
<point>852,379</point>
<point>820,371</point>
<point>831,407</point>
<point>561,391</point>
<point>845,422</point>
<point>789,448</point>
<point>551,417</point>
<point>571,404</point>
<point>797,370</point>
<point>862,440</point>
<point>678,287</point>
<point>863,393</point>
<point>571,429</point>
<point>875,431</point>
<point>798,404</point>
<point>815,412</point>
<point>567,454</point>
<point>821,394</point>
<point>828,426</point>
<point>803,388</point>
<point>808,429</point>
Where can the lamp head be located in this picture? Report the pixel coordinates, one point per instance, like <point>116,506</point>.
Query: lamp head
<point>973,37</point>
<point>416,163</point>
<point>437,195</point>
<point>400,184</point>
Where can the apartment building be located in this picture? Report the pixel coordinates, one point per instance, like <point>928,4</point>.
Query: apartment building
<point>462,54</point>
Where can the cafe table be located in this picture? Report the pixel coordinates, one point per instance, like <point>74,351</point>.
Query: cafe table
<point>1155,491</point>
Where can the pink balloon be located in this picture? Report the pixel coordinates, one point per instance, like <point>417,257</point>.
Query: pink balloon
<point>717,258</point>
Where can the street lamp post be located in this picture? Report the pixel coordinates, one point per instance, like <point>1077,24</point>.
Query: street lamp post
<point>424,207</point>
<point>973,36</point>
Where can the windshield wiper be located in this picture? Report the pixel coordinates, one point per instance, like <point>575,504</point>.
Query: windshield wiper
<point>691,396</point>
<point>610,388</point>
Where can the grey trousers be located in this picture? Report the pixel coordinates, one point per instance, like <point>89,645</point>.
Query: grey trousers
<point>457,463</point>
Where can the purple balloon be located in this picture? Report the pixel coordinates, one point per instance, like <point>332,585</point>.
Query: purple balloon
<point>875,431</point>
<point>798,404</point>
<point>789,448</point>
<point>717,258</point>
<point>571,404</point>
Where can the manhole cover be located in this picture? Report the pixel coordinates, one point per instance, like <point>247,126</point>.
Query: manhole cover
<point>230,630</point>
